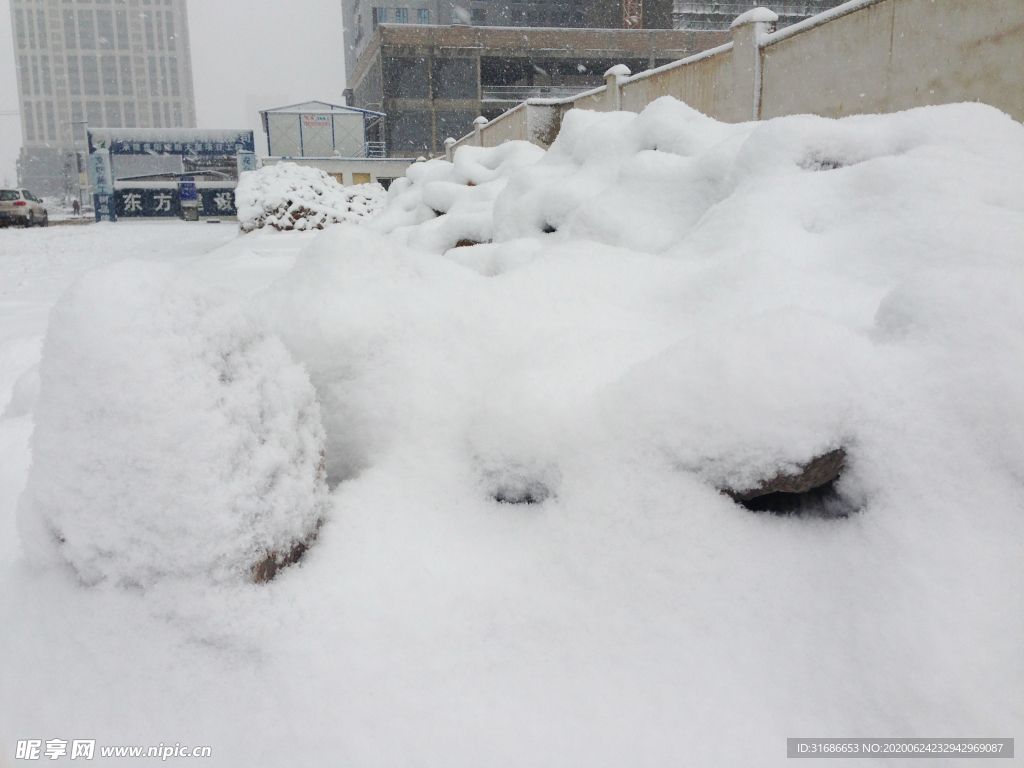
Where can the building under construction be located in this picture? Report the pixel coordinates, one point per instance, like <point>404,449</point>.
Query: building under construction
<point>433,81</point>
<point>718,16</point>
<point>362,17</point>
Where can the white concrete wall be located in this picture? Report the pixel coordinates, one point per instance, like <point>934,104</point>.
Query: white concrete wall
<point>892,55</point>
<point>382,168</point>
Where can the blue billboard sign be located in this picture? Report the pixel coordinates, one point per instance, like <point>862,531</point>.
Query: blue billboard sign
<point>231,144</point>
<point>166,202</point>
<point>148,203</point>
<point>187,189</point>
<point>217,202</point>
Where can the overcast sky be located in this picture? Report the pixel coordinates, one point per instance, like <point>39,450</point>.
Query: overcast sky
<point>246,55</point>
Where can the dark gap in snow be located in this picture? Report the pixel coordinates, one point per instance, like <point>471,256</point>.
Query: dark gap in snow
<point>466,242</point>
<point>810,492</point>
<point>822,502</point>
<point>438,213</point>
<point>530,493</point>
<point>548,229</point>
<point>821,164</point>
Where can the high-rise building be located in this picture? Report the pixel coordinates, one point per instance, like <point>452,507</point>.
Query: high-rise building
<point>718,16</point>
<point>95,63</point>
<point>361,17</point>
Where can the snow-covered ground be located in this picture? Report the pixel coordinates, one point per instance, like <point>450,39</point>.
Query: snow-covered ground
<point>658,307</point>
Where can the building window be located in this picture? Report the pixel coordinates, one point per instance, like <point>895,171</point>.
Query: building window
<point>172,65</point>
<point>26,83</point>
<point>77,118</point>
<point>122,30</point>
<point>105,29</point>
<point>94,114</point>
<point>30,125</point>
<point>113,111</point>
<point>402,15</point>
<point>44,63</point>
<point>148,18</point>
<point>108,67</point>
<point>69,30</point>
<point>86,30</point>
<point>478,16</point>
<point>74,84</point>
<point>423,16</point>
<point>41,25</point>
<point>90,76</point>
<point>380,16</point>
<point>51,122</point>
<point>171,44</point>
<point>19,23</point>
<point>126,76</point>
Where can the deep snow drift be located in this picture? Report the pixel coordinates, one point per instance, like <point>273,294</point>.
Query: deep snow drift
<point>667,306</point>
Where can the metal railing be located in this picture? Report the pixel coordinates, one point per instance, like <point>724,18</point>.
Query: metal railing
<point>374,149</point>
<point>523,92</point>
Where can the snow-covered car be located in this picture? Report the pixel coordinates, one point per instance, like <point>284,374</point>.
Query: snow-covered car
<point>19,206</point>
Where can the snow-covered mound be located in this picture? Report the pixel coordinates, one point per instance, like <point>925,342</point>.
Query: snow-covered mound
<point>452,203</point>
<point>174,436</point>
<point>750,345</point>
<point>290,196</point>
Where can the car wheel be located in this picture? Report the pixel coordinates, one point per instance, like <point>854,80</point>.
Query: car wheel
<point>46,219</point>
<point>31,220</point>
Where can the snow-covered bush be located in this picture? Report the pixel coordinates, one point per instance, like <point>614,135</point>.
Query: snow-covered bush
<point>174,436</point>
<point>290,196</point>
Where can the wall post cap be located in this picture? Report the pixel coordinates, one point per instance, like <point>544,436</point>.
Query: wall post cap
<point>755,15</point>
<point>619,70</point>
<point>480,121</point>
<point>449,141</point>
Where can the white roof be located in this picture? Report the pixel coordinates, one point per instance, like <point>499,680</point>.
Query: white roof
<point>316,108</point>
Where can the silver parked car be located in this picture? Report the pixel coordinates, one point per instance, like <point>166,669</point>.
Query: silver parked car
<point>19,206</point>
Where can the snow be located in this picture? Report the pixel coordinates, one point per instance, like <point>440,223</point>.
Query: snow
<point>463,190</point>
<point>173,434</point>
<point>289,196</point>
<point>754,15</point>
<point>657,307</point>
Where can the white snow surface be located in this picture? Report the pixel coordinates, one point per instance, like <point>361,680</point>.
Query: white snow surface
<point>173,435</point>
<point>754,15</point>
<point>290,196</point>
<point>658,306</point>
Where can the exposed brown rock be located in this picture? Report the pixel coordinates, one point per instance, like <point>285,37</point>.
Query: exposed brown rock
<point>818,472</point>
<point>267,568</point>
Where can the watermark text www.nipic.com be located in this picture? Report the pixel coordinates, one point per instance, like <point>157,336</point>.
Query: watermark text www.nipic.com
<point>86,749</point>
